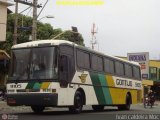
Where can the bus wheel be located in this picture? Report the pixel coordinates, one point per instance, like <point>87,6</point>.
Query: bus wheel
<point>98,107</point>
<point>38,109</point>
<point>78,103</point>
<point>127,105</point>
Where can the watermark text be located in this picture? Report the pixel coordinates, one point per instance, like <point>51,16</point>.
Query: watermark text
<point>80,2</point>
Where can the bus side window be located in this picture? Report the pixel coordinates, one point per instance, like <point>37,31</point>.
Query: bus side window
<point>63,71</point>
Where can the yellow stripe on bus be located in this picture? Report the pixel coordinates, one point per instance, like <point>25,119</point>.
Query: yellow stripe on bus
<point>45,85</point>
<point>110,80</point>
<point>119,94</point>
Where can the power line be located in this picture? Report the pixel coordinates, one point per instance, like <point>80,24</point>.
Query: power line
<point>28,3</point>
<point>29,11</point>
<point>25,10</point>
<point>42,8</point>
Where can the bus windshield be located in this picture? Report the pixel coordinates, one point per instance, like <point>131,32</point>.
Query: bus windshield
<point>34,63</point>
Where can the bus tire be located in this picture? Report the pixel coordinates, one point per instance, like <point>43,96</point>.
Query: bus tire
<point>38,109</point>
<point>98,107</point>
<point>127,105</point>
<point>78,103</point>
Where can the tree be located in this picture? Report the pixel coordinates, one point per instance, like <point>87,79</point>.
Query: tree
<point>68,35</point>
<point>56,32</point>
<point>44,31</point>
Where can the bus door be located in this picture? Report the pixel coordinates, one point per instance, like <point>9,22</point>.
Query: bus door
<point>66,65</point>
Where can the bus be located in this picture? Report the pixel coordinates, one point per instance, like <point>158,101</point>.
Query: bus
<point>59,73</point>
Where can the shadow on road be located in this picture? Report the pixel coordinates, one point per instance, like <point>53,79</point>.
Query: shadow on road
<point>67,112</point>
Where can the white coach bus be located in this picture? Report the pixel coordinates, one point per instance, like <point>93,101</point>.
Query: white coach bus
<point>58,73</point>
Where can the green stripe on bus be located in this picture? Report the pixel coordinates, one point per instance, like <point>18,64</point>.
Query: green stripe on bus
<point>30,85</point>
<point>100,86</point>
<point>97,87</point>
<point>106,92</point>
<point>37,86</point>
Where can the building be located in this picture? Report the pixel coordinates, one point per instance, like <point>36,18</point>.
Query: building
<point>4,61</point>
<point>3,19</point>
<point>4,57</point>
<point>154,75</point>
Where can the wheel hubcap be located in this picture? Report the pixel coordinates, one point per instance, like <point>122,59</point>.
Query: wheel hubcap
<point>78,102</point>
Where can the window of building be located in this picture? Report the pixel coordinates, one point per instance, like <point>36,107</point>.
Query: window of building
<point>153,73</point>
<point>159,73</point>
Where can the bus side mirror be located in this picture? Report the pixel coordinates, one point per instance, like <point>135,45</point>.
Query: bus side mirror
<point>63,71</point>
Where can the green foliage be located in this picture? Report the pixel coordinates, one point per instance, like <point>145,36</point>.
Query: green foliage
<point>56,32</point>
<point>69,35</point>
<point>44,31</point>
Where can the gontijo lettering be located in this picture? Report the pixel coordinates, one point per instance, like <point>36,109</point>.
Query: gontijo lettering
<point>137,84</point>
<point>127,83</point>
<point>124,82</point>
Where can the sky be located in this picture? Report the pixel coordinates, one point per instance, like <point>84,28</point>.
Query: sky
<point>124,26</point>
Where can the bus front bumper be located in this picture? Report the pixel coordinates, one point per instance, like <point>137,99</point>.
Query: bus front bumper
<point>31,99</point>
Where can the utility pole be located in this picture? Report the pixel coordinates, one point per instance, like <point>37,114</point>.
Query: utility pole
<point>35,5</point>
<point>34,23</point>
<point>15,24</point>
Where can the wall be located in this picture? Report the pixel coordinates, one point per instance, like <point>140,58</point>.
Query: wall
<point>154,63</point>
<point>3,19</point>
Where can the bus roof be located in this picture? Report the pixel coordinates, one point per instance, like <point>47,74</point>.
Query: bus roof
<point>58,42</point>
<point>36,43</point>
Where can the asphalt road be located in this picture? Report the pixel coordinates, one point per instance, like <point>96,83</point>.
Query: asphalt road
<point>137,112</point>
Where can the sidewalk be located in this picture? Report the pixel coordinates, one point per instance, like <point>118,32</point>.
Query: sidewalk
<point>4,108</point>
<point>157,103</point>
<point>3,104</point>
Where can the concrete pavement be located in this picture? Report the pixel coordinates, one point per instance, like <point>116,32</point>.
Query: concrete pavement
<point>4,108</point>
